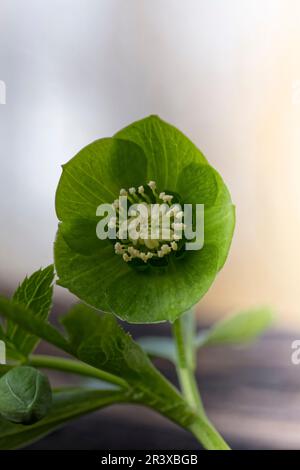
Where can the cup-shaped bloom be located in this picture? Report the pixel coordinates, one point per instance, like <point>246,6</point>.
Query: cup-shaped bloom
<point>145,270</point>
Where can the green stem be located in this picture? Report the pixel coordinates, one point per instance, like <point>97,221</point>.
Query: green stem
<point>201,428</point>
<point>75,367</point>
<point>185,363</point>
<point>207,435</point>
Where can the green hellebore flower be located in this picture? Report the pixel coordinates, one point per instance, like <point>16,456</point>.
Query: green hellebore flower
<point>25,395</point>
<point>140,282</point>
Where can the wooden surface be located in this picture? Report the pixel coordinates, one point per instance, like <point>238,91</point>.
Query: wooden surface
<point>252,395</point>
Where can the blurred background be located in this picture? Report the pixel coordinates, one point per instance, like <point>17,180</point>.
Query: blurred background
<point>225,72</point>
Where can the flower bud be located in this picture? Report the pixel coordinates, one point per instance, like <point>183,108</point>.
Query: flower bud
<point>25,395</point>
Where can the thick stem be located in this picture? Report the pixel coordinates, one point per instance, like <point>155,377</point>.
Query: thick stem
<point>202,429</point>
<point>185,363</point>
<point>75,367</point>
<point>207,435</point>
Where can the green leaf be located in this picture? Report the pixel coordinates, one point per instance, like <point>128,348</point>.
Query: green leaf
<point>35,293</point>
<point>25,395</point>
<point>241,328</point>
<point>4,368</point>
<point>28,322</point>
<point>98,340</point>
<point>67,405</point>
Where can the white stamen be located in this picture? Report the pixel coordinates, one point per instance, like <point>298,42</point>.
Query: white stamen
<point>152,185</point>
<point>165,197</point>
<point>143,257</point>
<point>119,248</point>
<point>133,252</point>
<point>174,246</point>
<point>164,241</point>
<point>165,249</point>
<point>173,211</point>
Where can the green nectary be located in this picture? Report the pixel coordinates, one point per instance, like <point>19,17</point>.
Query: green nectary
<point>25,395</point>
<point>149,150</point>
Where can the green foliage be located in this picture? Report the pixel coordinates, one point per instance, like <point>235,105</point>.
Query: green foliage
<point>67,405</point>
<point>241,328</point>
<point>25,395</point>
<point>34,293</point>
<point>29,323</point>
<point>99,341</point>
<point>4,368</point>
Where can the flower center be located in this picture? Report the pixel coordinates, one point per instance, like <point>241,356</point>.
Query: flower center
<point>148,224</point>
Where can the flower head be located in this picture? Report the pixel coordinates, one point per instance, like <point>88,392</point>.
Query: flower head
<point>144,273</point>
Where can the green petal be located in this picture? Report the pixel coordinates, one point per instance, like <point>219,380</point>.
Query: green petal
<point>219,223</point>
<point>96,175</point>
<point>80,235</point>
<point>197,184</point>
<point>168,151</point>
<point>107,283</point>
<point>150,297</point>
<point>201,184</point>
<point>88,277</point>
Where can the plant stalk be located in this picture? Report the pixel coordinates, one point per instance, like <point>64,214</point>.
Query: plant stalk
<point>75,367</point>
<point>207,435</point>
<point>183,336</point>
<point>201,428</point>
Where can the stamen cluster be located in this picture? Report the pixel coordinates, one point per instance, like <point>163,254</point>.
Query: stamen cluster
<point>152,234</point>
